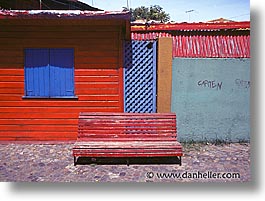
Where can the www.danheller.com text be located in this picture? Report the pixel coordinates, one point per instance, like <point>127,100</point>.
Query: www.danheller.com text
<point>193,175</point>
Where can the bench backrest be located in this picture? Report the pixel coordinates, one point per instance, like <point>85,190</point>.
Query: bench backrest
<point>127,126</point>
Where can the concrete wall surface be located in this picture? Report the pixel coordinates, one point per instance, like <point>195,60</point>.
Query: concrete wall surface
<point>211,98</point>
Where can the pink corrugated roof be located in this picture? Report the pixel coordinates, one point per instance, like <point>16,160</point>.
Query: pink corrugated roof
<point>204,46</point>
<point>211,46</point>
<point>203,40</point>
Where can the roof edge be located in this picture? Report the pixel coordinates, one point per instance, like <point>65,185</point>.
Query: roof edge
<point>62,14</point>
<point>190,26</point>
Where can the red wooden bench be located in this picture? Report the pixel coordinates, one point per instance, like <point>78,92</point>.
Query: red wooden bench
<point>127,135</point>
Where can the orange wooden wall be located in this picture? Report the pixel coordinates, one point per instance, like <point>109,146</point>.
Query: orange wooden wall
<point>98,75</point>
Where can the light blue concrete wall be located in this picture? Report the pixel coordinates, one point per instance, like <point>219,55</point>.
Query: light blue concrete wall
<point>211,98</point>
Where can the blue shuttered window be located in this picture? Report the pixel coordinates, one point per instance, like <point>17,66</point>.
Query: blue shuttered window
<point>49,73</point>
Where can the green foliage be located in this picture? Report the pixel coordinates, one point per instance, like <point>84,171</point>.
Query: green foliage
<point>152,13</point>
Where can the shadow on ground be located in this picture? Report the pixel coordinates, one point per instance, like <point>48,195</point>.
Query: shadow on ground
<point>128,161</point>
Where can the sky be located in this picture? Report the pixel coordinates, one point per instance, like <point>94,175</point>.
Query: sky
<point>185,10</point>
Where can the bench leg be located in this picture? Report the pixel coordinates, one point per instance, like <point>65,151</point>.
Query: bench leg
<point>74,161</point>
<point>179,160</point>
<point>127,162</point>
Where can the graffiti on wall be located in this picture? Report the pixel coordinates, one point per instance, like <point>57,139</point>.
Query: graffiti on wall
<point>212,84</point>
<point>242,83</point>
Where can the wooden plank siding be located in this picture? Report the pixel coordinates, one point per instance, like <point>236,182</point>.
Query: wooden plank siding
<point>98,76</point>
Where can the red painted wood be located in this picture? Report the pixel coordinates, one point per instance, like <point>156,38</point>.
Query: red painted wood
<point>49,135</point>
<point>127,135</point>
<point>10,97</point>
<point>96,72</point>
<point>125,154</point>
<point>122,150</point>
<point>126,115</point>
<point>121,73</point>
<point>53,106</point>
<point>44,128</point>
<point>126,122</point>
<point>98,77</point>
<point>97,91</point>
<point>134,129</point>
<point>27,122</point>
<point>11,72</point>
<point>16,91</point>
<point>101,143</point>
<point>99,97</point>
<point>117,139</point>
<point>37,138</point>
<point>12,79</point>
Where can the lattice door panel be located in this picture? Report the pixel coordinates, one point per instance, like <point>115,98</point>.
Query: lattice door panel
<point>140,76</point>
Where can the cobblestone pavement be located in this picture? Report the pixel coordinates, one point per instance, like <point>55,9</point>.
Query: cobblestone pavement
<point>54,163</point>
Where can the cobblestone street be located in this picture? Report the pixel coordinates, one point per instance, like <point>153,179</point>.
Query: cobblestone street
<point>54,163</point>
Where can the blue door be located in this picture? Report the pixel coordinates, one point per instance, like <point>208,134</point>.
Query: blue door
<point>140,76</point>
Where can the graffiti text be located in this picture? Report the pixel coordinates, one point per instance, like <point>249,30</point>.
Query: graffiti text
<point>242,83</point>
<point>212,84</point>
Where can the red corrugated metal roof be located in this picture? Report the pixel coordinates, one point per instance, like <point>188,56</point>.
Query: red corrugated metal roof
<point>51,14</point>
<point>190,26</point>
<point>211,46</point>
<point>203,46</point>
<point>200,40</point>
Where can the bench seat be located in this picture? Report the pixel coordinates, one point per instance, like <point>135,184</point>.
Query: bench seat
<point>127,135</point>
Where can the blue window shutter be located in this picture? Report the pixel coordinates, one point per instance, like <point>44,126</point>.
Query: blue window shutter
<point>61,72</point>
<point>37,72</point>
